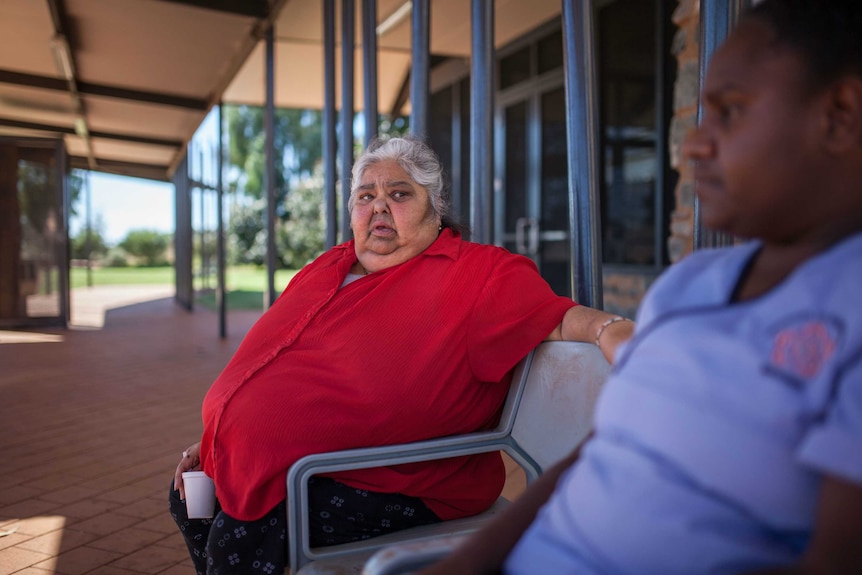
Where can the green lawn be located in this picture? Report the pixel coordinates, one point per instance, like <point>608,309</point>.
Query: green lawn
<point>123,276</point>
<point>245,284</point>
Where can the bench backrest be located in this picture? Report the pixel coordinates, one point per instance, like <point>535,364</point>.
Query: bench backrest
<point>553,411</point>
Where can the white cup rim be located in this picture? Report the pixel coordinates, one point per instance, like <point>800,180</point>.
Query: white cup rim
<point>194,474</point>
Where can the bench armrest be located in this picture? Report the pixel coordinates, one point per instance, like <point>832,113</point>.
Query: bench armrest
<point>299,550</point>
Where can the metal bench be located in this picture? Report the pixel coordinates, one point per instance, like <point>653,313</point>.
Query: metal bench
<point>547,413</point>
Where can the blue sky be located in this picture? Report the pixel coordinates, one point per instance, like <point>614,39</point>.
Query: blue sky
<point>125,204</point>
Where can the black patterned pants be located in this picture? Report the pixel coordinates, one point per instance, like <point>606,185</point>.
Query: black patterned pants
<point>337,514</point>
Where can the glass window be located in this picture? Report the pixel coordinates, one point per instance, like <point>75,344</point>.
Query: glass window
<point>550,50</point>
<point>32,274</point>
<point>440,127</point>
<point>515,68</point>
<point>516,183</point>
<point>631,154</point>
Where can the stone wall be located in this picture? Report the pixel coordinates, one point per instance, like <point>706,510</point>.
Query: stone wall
<point>686,49</point>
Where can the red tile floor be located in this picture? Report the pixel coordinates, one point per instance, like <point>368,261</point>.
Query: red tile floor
<point>93,420</point>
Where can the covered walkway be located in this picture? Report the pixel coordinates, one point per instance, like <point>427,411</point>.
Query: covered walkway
<point>92,424</point>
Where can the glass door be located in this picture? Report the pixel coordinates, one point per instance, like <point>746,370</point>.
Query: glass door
<point>532,215</point>
<point>34,286</point>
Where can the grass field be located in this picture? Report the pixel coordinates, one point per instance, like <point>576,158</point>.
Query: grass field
<point>123,276</point>
<point>245,284</point>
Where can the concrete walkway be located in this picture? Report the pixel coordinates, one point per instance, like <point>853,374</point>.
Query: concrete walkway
<point>89,305</point>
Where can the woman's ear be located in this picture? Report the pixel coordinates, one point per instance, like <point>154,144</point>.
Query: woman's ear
<point>844,114</point>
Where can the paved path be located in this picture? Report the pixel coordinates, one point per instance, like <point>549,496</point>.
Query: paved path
<point>89,305</point>
<point>92,423</point>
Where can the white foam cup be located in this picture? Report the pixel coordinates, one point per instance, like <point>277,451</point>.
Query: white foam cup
<point>200,495</point>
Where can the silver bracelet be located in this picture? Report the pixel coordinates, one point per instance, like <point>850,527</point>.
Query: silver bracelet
<point>605,325</point>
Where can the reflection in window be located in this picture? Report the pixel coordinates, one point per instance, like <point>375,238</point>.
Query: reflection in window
<point>631,153</point>
<point>32,258</point>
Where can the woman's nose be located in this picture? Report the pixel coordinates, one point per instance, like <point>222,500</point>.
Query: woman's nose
<point>697,146</point>
<point>380,205</point>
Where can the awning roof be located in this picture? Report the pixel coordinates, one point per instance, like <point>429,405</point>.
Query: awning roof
<point>126,83</point>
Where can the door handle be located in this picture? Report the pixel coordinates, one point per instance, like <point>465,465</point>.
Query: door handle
<point>520,236</point>
<point>533,237</point>
<point>527,236</point>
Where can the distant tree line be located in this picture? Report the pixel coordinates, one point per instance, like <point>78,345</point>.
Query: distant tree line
<point>139,247</point>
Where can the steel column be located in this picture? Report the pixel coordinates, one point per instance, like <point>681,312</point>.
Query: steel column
<point>221,292</point>
<point>482,120</point>
<point>329,135</point>
<point>717,18</point>
<point>348,46</point>
<point>419,69</point>
<point>269,174</point>
<point>369,68</point>
<point>582,135</point>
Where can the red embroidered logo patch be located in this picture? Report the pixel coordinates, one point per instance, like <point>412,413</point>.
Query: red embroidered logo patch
<point>803,349</point>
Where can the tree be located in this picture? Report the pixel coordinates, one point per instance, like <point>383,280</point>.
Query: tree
<point>299,194</point>
<point>247,243</point>
<point>300,239</point>
<point>298,148</point>
<point>96,246</point>
<point>298,142</point>
<point>149,245</point>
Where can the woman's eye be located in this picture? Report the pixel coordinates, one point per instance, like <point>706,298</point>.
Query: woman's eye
<point>398,195</point>
<point>730,112</point>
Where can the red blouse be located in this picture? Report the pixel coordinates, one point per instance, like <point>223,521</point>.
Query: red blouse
<point>419,350</point>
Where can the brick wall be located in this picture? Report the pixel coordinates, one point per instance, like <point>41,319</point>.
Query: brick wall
<point>686,49</point>
<point>623,289</point>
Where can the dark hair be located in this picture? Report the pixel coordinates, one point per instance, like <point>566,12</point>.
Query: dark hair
<point>422,165</point>
<point>826,33</point>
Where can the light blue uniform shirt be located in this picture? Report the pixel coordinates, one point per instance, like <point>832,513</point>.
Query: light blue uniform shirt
<point>716,426</point>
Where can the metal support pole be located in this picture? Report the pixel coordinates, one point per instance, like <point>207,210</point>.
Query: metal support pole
<point>329,135</point>
<point>717,18</point>
<point>582,135</point>
<point>419,69</point>
<point>221,291</point>
<point>269,179</point>
<point>348,46</point>
<point>369,68</point>
<point>205,276</point>
<point>89,228</point>
<point>482,120</point>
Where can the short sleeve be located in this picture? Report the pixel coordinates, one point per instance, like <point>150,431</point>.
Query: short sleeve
<point>834,445</point>
<point>516,310</point>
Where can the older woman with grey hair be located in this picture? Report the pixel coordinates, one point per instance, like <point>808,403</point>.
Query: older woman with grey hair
<point>406,332</point>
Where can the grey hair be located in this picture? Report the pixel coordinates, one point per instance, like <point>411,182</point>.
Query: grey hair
<point>419,161</point>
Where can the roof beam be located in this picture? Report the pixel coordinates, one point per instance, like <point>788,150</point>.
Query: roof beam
<point>120,168</point>
<point>252,8</point>
<point>90,89</point>
<point>12,123</point>
<point>161,99</point>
